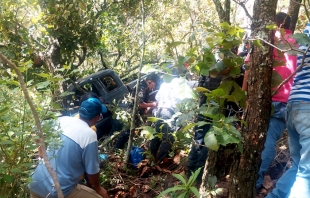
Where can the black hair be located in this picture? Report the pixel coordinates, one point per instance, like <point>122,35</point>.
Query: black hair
<point>88,95</point>
<point>153,77</point>
<point>283,20</point>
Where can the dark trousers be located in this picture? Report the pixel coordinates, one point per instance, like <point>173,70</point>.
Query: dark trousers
<point>198,155</point>
<point>160,147</point>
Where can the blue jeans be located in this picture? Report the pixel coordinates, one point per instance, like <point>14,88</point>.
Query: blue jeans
<point>295,182</point>
<point>276,128</point>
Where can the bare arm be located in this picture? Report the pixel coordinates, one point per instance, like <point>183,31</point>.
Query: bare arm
<point>95,181</point>
<point>245,79</point>
<point>148,104</point>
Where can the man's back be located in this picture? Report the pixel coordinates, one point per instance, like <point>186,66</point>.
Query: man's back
<point>74,153</point>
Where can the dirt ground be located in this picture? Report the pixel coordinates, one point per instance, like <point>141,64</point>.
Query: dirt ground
<point>148,180</point>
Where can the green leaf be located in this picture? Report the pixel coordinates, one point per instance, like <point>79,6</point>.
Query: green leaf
<point>301,38</point>
<point>8,178</point>
<point>211,141</point>
<point>183,195</point>
<point>225,25</point>
<point>257,43</point>
<point>175,188</point>
<point>44,75</point>
<point>16,170</point>
<point>43,85</point>
<point>188,127</point>
<point>6,142</point>
<point>218,66</point>
<point>195,191</point>
<point>271,27</point>
<point>4,110</point>
<point>212,180</point>
<point>202,123</point>
<point>147,132</point>
<point>9,82</point>
<point>202,89</point>
<point>56,106</point>
<point>230,120</point>
<point>276,79</point>
<point>193,177</point>
<point>66,93</point>
<point>152,119</point>
<point>227,138</point>
<point>179,177</point>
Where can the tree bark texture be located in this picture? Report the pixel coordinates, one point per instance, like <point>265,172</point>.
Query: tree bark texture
<point>293,11</point>
<point>243,174</point>
<point>223,13</point>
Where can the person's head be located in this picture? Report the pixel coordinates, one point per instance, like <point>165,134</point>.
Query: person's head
<point>90,110</point>
<point>88,95</point>
<point>151,81</point>
<point>283,20</point>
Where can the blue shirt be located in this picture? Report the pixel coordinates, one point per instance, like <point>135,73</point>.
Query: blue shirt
<point>75,154</point>
<point>301,87</point>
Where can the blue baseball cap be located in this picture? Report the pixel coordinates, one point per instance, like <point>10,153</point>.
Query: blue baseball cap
<point>91,107</point>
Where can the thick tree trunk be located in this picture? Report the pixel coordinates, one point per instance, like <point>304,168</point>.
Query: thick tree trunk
<point>245,167</point>
<point>293,11</point>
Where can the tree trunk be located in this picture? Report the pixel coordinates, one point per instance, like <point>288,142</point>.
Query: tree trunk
<point>245,166</point>
<point>293,11</point>
<point>223,13</point>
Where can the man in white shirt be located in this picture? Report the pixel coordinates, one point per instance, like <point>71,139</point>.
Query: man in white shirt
<point>76,154</point>
<point>168,97</point>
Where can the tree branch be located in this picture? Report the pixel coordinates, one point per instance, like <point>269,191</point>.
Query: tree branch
<point>119,52</point>
<point>102,60</point>
<point>132,124</point>
<point>291,49</point>
<point>81,58</point>
<point>38,125</point>
<point>245,10</point>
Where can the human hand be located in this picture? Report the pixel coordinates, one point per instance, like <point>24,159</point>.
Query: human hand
<point>101,191</point>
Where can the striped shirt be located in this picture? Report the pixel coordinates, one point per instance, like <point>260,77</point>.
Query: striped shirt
<point>301,88</point>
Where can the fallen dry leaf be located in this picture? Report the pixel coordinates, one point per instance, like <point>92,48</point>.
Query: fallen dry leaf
<point>146,188</point>
<point>133,191</point>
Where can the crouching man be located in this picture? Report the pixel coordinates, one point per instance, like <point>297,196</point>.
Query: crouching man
<point>76,154</point>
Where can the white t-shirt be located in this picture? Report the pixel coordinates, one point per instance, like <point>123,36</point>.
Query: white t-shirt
<point>171,94</point>
<point>77,153</point>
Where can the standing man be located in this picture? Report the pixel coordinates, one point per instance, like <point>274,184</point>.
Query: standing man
<point>76,154</point>
<point>296,181</point>
<point>277,123</point>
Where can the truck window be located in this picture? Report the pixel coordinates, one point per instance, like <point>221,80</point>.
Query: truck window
<point>74,100</point>
<point>109,83</point>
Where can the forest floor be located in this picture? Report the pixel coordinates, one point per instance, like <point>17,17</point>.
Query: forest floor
<point>147,180</point>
